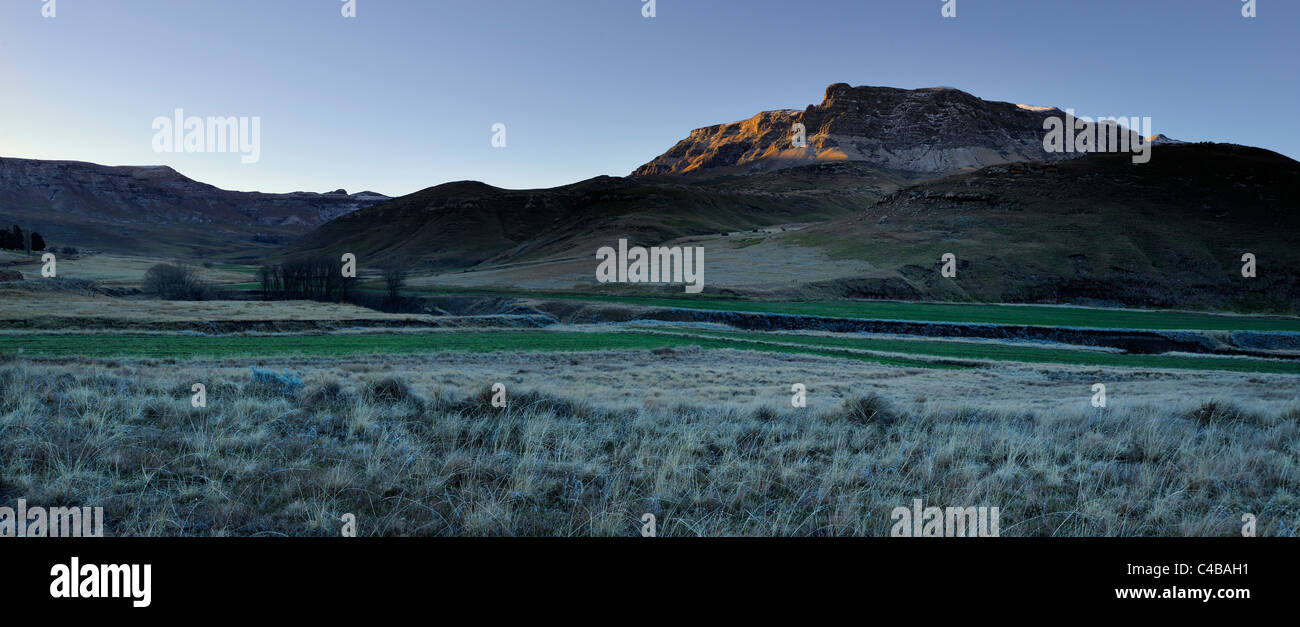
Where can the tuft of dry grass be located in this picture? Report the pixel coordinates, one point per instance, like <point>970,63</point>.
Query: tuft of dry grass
<point>413,460</point>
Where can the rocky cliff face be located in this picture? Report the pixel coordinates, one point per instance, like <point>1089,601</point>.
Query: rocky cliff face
<point>921,132</point>
<point>125,209</point>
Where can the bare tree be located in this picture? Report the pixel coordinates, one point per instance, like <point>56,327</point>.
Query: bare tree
<point>395,271</point>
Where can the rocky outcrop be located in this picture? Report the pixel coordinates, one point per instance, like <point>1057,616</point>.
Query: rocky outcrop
<point>921,132</point>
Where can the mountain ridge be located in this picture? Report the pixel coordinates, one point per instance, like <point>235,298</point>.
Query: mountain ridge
<point>155,209</point>
<point>925,132</point>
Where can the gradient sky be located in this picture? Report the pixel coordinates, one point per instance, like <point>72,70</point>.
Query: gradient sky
<point>404,96</point>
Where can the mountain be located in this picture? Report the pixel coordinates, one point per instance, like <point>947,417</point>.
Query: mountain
<point>1161,139</point>
<point>893,180</point>
<point>864,142</point>
<point>463,224</point>
<point>919,132</point>
<point>1169,233</point>
<point>154,210</point>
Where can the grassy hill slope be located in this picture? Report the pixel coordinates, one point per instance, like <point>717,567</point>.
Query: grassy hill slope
<point>459,225</point>
<point>1169,233</point>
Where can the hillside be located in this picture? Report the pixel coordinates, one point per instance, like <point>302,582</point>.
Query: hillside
<point>459,225</point>
<point>1098,229</point>
<point>154,210</point>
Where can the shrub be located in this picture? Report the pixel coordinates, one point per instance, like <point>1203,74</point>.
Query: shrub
<point>174,282</point>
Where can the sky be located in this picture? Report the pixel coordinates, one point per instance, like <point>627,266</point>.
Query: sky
<point>405,95</point>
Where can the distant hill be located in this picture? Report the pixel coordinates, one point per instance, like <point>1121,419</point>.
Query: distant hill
<point>921,132</point>
<point>460,225</point>
<point>154,210</point>
<point>1169,233</point>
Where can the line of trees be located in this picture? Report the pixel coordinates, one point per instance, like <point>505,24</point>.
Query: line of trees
<point>307,278</point>
<point>18,239</point>
<point>321,278</point>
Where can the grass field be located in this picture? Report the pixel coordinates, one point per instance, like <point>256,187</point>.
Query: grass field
<point>190,346</point>
<point>607,422</point>
<point>1033,315</point>
<point>123,270</point>
<point>408,460</point>
<point>74,309</point>
<point>927,353</point>
<point>129,271</point>
<point>1023,353</point>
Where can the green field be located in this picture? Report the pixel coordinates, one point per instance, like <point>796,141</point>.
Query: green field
<point>1024,353</point>
<point>189,346</point>
<point>846,347</point>
<point>1033,315</point>
<point>980,313</point>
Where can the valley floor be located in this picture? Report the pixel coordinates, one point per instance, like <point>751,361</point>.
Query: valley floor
<point>334,410</point>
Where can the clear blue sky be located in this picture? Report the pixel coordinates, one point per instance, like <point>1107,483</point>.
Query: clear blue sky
<point>404,96</point>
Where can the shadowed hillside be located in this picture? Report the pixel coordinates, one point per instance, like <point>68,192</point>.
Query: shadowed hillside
<point>463,224</point>
<point>1168,233</point>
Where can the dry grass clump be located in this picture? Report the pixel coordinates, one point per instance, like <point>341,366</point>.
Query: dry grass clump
<point>327,395</point>
<point>410,461</point>
<point>390,390</point>
<point>1218,412</point>
<point>869,409</point>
